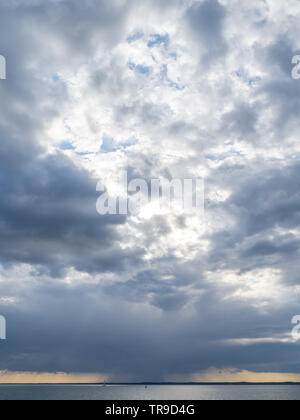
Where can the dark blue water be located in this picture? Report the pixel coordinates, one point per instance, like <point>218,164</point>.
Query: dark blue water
<point>158,392</point>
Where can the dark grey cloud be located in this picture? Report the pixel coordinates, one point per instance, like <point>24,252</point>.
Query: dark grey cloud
<point>149,286</point>
<point>206,19</point>
<point>48,213</point>
<point>241,121</point>
<point>280,54</point>
<point>265,204</point>
<point>50,199</point>
<point>56,335</point>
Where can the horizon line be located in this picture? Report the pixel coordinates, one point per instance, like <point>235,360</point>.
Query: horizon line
<point>150,383</point>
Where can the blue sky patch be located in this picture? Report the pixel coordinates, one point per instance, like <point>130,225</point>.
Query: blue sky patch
<point>164,76</point>
<point>134,37</point>
<point>222,156</point>
<point>253,82</point>
<point>140,68</point>
<point>66,145</point>
<point>55,78</point>
<point>157,39</point>
<point>108,145</point>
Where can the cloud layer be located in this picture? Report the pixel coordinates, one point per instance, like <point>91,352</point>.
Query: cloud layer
<point>176,89</point>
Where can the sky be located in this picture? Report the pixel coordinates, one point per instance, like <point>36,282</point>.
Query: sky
<point>179,89</point>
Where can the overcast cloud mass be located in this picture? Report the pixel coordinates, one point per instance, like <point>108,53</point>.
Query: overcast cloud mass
<point>178,88</point>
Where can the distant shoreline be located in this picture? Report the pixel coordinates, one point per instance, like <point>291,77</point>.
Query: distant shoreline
<point>164,384</point>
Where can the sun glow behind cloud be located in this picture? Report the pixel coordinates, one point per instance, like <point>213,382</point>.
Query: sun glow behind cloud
<point>7,377</point>
<point>236,376</point>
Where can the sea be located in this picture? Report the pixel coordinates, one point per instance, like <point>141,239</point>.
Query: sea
<point>150,393</point>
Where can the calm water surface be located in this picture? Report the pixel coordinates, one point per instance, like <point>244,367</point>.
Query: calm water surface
<point>99,392</point>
